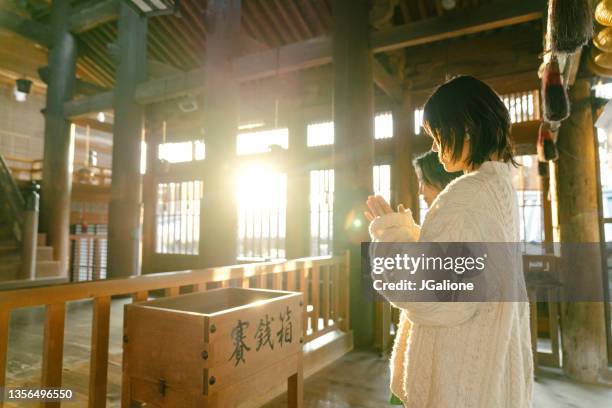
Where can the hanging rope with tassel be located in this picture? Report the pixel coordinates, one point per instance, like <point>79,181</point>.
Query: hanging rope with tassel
<point>556,105</point>
<point>571,25</point>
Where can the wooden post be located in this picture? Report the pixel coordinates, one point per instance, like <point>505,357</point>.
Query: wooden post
<point>298,203</point>
<point>124,209</point>
<point>5,318</point>
<point>53,348</point>
<point>57,156</point>
<point>218,225</point>
<point>404,176</point>
<point>98,365</point>
<point>149,188</point>
<point>583,330</point>
<point>353,108</point>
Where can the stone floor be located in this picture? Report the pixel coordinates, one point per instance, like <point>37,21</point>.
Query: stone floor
<point>359,379</point>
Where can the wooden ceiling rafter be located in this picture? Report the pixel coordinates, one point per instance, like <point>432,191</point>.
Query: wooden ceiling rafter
<point>97,49</point>
<point>270,37</point>
<point>90,55</point>
<point>308,32</point>
<point>181,39</point>
<point>85,69</point>
<point>173,57</point>
<point>405,11</point>
<point>100,75</point>
<point>196,32</point>
<point>286,33</point>
<point>285,16</point>
<point>308,8</point>
<point>194,14</point>
<point>96,46</point>
<point>325,13</point>
<point>255,30</point>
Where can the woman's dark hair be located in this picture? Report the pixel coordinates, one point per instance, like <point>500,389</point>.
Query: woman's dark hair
<point>432,172</point>
<point>465,105</point>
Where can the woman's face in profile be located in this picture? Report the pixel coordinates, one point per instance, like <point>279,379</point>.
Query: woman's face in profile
<point>428,191</point>
<point>450,164</point>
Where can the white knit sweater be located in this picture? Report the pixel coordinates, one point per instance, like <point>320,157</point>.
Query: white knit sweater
<point>462,355</point>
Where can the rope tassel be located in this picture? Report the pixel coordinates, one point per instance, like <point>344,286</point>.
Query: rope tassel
<point>546,147</point>
<point>556,101</point>
<point>571,25</point>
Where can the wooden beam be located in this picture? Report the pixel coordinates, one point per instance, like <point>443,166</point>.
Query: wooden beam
<point>317,51</point>
<point>292,57</point>
<point>94,15</point>
<point>94,124</point>
<point>86,105</point>
<point>82,87</point>
<point>458,23</point>
<point>30,29</point>
<point>386,82</point>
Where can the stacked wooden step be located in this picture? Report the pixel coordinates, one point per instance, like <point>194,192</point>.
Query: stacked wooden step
<point>10,256</point>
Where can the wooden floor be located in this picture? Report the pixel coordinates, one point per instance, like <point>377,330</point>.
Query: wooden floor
<point>359,379</point>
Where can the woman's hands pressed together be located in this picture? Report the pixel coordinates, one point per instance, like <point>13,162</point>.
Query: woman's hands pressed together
<point>378,207</point>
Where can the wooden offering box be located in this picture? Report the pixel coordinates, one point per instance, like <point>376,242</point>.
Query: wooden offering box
<point>218,348</point>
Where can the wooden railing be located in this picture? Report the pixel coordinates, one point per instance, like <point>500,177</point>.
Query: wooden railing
<point>31,170</point>
<point>323,280</point>
<point>25,169</point>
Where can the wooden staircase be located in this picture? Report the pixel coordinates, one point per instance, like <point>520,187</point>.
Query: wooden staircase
<point>17,235</point>
<point>10,257</point>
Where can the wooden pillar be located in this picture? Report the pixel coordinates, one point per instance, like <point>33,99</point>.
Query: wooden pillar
<point>59,140</point>
<point>353,149</point>
<point>218,228</point>
<point>124,209</point>
<point>583,330</point>
<point>153,128</point>
<point>298,187</point>
<point>404,177</point>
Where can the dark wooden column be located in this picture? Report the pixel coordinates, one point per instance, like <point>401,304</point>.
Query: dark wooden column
<point>298,188</point>
<point>124,210</point>
<point>218,228</point>
<point>57,158</point>
<point>583,330</point>
<point>153,138</point>
<point>353,148</point>
<point>404,177</point>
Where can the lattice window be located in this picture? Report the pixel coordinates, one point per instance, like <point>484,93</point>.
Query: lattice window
<point>382,181</point>
<point>322,133</point>
<point>178,217</point>
<point>321,211</point>
<point>523,106</point>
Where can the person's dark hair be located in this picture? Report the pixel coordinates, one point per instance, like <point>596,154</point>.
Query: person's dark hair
<point>432,172</point>
<point>465,105</point>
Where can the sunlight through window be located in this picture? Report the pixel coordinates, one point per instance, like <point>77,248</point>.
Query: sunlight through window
<point>383,126</point>
<point>261,194</point>
<point>181,152</point>
<point>320,134</point>
<point>260,142</point>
